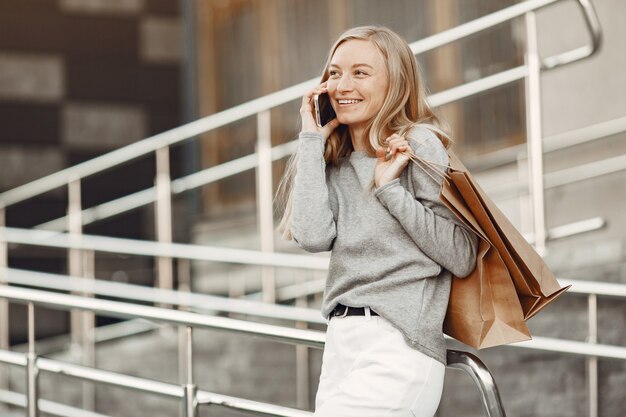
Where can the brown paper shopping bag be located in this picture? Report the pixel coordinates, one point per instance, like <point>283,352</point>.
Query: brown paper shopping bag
<point>535,284</point>
<point>510,283</point>
<point>484,309</point>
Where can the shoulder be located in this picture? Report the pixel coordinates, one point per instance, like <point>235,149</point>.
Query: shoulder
<point>426,144</point>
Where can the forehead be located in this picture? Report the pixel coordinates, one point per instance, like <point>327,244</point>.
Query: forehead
<point>357,51</point>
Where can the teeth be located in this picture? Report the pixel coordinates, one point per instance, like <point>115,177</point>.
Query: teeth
<point>348,101</point>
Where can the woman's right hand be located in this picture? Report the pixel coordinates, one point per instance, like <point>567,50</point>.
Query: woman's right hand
<point>307,113</point>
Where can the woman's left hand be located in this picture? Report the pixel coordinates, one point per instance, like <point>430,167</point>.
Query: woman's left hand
<point>391,159</point>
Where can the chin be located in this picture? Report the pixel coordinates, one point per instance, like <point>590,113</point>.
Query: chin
<point>343,120</point>
<point>347,120</point>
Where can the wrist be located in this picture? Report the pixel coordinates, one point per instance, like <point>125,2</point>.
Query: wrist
<point>388,184</point>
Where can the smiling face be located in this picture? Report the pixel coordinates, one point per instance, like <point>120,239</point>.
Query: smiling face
<point>357,83</point>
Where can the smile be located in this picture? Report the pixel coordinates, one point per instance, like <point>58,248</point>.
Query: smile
<point>351,101</point>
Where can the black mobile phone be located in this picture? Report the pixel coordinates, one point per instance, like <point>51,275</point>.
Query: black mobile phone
<point>324,111</point>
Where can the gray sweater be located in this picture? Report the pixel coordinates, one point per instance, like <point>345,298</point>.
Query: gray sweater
<point>394,248</point>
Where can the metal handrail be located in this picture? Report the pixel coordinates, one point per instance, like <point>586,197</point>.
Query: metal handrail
<point>203,302</point>
<point>117,309</point>
<point>312,316</point>
<point>150,386</point>
<point>46,406</point>
<point>206,302</point>
<point>309,338</point>
<point>138,247</point>
<point>161,142</point>
<point>557,142</point>
<point>270,101</point>
<point>510,13</point>
<point>490,395</point>
<point>494,159</point>
<point>188,251</point>
<point>141,293</point>
<point>563,176</point>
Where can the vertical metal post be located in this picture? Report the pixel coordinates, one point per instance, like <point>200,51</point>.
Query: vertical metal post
<point>184,285</point>
<point>190,390</point>
<point>4,304</point>
<point>190,91</point>
<point>88,341</point>
<point>165,270</point>
<point>302,364</point>
<point>32,372</point>
<point>74,256</point>
<point>184,275</point>
<point>236,284</point>
<point>265,208</point>
<point>592,361</point>
<point>533,132</point>
<point>526,217</point>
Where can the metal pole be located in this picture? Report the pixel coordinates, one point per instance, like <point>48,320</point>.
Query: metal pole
<point>482,378</point>
<point>265,208</point>
<point>184,285</point>
<point>163,209</point>
<point>592,361</point>
<point>533,132</point>
<point>88,326</point>
<point>74,256</point>
<point>526,217</point>
<point>302,364</point>
<point>190,390</point>
<point>32,372</point>
<point>189,96</point>
<point>4,304</point>
<point>184,275</point>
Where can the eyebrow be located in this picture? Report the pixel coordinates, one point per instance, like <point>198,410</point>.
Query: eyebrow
<point>354,66</point>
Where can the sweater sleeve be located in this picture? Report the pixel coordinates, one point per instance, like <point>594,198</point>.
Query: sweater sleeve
<point>312,222</point>
<point>431,225</point>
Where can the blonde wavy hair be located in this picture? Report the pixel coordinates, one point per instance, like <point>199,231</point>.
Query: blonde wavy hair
<point>405,106</point>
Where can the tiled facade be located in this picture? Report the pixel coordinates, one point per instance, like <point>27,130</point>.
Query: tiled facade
<point>83,77</point>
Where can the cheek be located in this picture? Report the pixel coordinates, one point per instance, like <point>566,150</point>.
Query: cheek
<point>374,103</point>
<point>378,99</point>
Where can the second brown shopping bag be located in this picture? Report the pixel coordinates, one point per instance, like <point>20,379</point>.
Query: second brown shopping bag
<point>510,282</point>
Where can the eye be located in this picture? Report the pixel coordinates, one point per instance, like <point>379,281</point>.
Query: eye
<point>360,73</point>
<point>333,73</point>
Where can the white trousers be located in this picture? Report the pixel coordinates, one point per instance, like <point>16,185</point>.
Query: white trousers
<point>368,370</point>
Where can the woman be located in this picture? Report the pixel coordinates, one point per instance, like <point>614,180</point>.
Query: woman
<point>395,246</point>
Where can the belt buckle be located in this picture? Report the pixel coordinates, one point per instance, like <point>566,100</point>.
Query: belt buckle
<point>344,314</point>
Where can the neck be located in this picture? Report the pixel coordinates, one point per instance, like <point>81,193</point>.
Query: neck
<point>359,141</point>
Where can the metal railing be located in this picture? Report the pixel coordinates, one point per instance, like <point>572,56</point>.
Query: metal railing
<point>590,349</point>
<point>187,393</point>
<point>164,187</point>
<point>215,304</point>
<point>265,103</point>
<point>260,107</point>
<point>497,158</point>
<point>92,244</point>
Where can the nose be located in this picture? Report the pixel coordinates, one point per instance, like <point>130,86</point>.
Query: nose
<point>345,84</point>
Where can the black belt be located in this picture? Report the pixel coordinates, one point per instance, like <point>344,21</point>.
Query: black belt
<point>343,311</point>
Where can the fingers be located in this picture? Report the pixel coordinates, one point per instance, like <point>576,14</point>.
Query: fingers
<point>307,112</point>
<point>330,126</point>
<point>381,154</point>
<point>396,144</point>
<point>307,99</point>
